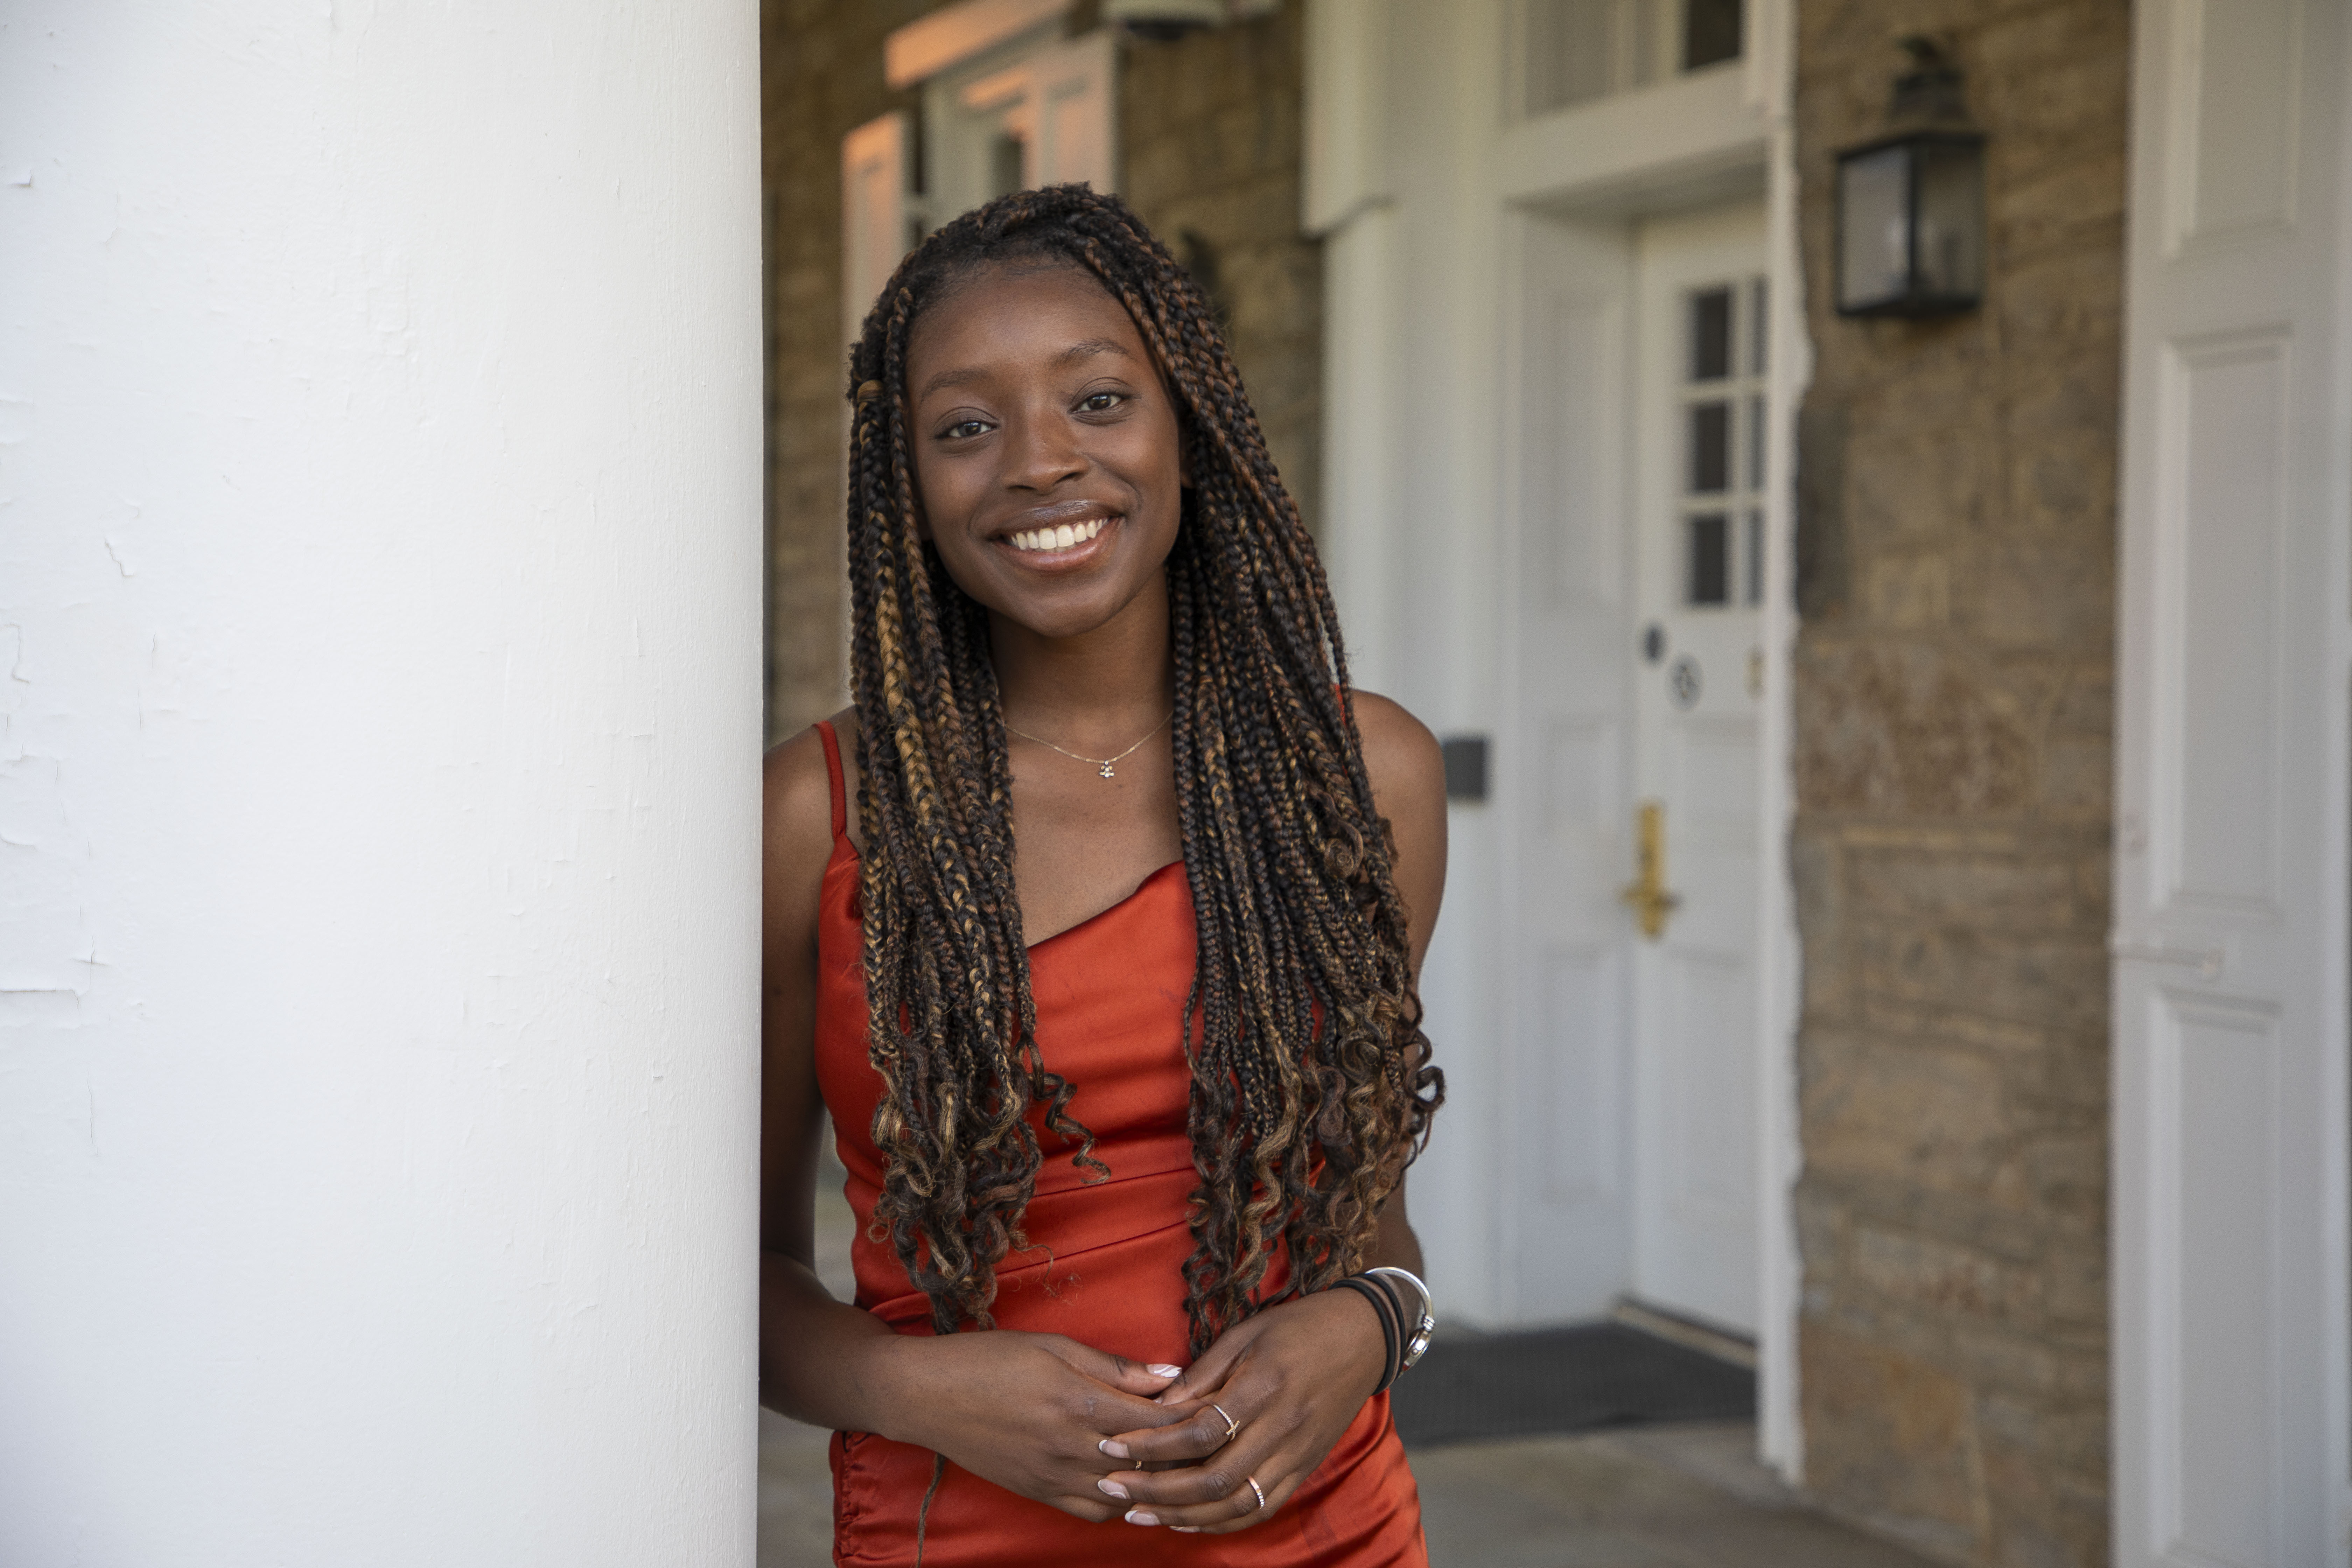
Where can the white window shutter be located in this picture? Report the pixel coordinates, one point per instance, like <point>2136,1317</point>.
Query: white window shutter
<point>876,233</point>
<point>2230,1244</point>
<point>1075,129</point>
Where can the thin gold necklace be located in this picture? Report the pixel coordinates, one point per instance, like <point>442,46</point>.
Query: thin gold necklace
<point>1102,764</point>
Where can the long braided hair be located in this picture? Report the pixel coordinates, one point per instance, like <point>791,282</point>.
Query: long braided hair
<point>1311,1083</point>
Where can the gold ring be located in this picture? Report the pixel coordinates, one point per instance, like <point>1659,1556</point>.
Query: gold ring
<point>1232,1426</point>
<point>1257,1489</point>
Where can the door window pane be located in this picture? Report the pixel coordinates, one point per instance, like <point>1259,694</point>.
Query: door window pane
<point>1710,447</point>
<point>1710,558</point>
<point>1755,557</point>
<point>1756,443</point>
<point>1710,334</point>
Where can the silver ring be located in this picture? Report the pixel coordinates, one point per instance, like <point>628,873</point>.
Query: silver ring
<point>1257,1489</point>
<point>1232,1426</point>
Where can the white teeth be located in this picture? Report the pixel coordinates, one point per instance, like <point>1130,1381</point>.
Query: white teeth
<point>1063,537</point>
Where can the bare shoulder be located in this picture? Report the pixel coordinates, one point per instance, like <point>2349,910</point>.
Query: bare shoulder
<point>1407,769</point>
<point>798,795</point>
<point>1406,765</point>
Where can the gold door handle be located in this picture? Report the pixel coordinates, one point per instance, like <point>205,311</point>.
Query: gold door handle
<point>1646,893</point>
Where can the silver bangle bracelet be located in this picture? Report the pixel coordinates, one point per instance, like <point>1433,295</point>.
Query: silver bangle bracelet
<point>1428,1323</point>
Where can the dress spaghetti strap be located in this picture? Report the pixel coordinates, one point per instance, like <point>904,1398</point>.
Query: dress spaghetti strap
<point>833,769</point>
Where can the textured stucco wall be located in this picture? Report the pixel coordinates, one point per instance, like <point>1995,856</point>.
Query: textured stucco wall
<point>1952,687</point>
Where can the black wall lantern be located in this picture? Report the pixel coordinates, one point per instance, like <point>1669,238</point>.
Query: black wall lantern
<point>1910,205</point>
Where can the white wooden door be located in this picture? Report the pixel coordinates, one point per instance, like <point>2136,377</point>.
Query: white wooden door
<point>1699,525</point>
<point>1562,766</point>
<point>2231,867</point>
<point>1633,485</point>
<point>1074,141</point>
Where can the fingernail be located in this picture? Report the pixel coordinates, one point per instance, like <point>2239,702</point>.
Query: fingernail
<point>1185,1528</point>
<point>1113,1487</point>
<point>1136,1516</point>
<point>1115,1450</point>
<point>1161,1368</point>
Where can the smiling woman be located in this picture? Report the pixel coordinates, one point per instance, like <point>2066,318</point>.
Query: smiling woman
<point>1119,1025</point>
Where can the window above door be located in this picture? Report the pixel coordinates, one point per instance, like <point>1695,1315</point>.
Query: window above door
<point>1563,53</point>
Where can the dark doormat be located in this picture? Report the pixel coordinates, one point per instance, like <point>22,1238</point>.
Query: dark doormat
<point>1563,1380</point>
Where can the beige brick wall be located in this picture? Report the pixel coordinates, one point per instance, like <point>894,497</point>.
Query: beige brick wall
<point>1953,703</point>
<point>1209,132</point>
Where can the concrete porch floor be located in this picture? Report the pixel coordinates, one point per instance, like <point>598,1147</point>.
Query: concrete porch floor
<point>1686,1496</point>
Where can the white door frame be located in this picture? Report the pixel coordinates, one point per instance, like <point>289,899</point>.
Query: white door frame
<point>1415,180</point>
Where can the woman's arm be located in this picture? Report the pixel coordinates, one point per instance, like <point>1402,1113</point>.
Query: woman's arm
<point>1295,1375</point>
<point>1022,1410</point>
<point>1408,772</point>
<point>839,1372</point>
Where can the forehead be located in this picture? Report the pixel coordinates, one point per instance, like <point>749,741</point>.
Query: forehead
<point>1003,316</point>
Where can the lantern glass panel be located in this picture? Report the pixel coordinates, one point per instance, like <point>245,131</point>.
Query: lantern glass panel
<point>1951,220</point>
<point>1874,241</point>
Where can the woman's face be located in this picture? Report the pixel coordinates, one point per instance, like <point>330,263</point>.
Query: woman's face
<point>1048,467</point>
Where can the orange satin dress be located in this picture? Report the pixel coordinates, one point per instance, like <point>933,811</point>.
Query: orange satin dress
<point>1110,998</point>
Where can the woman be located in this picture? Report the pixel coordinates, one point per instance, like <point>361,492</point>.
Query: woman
<point>1137,889</point>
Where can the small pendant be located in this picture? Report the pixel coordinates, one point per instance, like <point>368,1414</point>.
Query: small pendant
<point>1105,770</point>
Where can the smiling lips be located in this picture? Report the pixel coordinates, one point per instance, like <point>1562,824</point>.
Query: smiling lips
<point>1064,536</point>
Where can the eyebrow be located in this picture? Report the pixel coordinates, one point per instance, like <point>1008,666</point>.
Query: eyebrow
<point>1086,349</point>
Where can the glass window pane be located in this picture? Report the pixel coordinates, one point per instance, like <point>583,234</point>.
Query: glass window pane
<point>1710,334</point>
<point>1756,443</point>
<point>1571,47</point>
<point>1005,164</point>
<point>1757,321</point>
<point>1710,447</point>
<point>1755,557</point>
<point>1710,32</point>
<point>1710,558</point>
<point>1652,38</point>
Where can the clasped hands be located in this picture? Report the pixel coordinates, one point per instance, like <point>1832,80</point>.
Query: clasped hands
<point>1103,1438</point>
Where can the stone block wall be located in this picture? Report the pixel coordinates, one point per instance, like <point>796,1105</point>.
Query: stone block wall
<point>820,78</point>
<point>1952,686</point>
<point>1212,130</point>
<point>1208,130</point>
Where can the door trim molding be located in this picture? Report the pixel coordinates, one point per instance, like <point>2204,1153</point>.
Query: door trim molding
<point>1772,85</point>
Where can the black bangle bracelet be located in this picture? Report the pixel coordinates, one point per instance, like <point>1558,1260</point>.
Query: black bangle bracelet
<point>1391,1318</point>
<point>1381,1309</point>
<point>1405,1320</point>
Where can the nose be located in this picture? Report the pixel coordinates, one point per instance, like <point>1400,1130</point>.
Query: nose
<point>1041,451</point>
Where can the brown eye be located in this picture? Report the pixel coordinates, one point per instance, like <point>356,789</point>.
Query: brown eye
<point>964,429</point>
<point>1100,402</point>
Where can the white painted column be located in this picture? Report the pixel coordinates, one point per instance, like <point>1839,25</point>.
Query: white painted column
<point>379,568</point>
